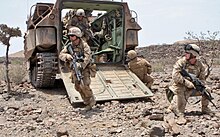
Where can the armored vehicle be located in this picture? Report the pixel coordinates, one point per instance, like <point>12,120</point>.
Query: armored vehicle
<point>113,31</point>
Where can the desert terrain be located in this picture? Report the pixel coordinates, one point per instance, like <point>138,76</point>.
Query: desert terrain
<point>30,112</point>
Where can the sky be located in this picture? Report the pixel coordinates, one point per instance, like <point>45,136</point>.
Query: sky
<point>162,21</point>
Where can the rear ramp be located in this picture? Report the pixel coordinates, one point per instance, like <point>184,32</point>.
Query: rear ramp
<point>112,82</point>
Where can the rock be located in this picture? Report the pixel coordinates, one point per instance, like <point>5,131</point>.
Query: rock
<point>129,109</point>
<point>6,96</point>
<point>30,127</point>
<point>114,124</point>
<point>214,78</point>
<point>61,132</point>
<point>163,85</point>
<point>157,132</point>
<point>146,123</point>
<point>156,117</point>
<point>49,122</point>
<point>144,133</point>
<point>135,122</point>
<point>38,111</point>
<point>146,112</point>
<point>34,116</point>
<point>3,83</point>
<point>113,131</point>
<point>1,109</point>
<point>215,88</point>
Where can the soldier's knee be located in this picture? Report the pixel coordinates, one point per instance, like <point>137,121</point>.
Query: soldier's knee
<point>77,87</point>
<point>87,88</point>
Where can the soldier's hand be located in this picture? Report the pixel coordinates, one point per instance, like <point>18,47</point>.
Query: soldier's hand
<point>189,84</point>
<point>78,65</point>
<point>69,57</point>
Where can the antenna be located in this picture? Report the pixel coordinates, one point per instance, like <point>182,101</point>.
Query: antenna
<point>27,8</point>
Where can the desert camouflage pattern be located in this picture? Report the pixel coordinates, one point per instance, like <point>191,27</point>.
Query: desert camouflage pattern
<point>182,93</point>
<point>84,90</point>
<point>83,24</point>
<point>142,68</point>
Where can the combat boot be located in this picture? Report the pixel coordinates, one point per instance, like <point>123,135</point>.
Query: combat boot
<point>206,110</point>
<point>181,119</point>
<point>92,101</point>
<point>91,104</point>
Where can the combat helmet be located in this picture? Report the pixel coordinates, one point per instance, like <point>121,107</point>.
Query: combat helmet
<point>75,31</point>
<point>132,54</point>
<point>193,49</point>
<point>80,12</point>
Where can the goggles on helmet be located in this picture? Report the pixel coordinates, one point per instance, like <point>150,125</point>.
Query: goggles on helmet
<point>189,47</point>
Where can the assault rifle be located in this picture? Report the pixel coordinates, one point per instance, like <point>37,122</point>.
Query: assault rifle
<point>73,64</point>
<point>198,85</point>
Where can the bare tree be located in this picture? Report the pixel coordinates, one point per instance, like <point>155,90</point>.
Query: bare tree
<point>210,39</point>
<point>6,33</point>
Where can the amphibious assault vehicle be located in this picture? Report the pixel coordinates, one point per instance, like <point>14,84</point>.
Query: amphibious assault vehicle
<point>117,33</point>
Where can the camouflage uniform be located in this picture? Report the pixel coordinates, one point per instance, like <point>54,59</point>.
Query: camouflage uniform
<point>83,24</point>
<point>84,90</point>
<point>142,68</point>
<point>179,86</point>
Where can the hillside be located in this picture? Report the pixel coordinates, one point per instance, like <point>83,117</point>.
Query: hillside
<point>19,54</point>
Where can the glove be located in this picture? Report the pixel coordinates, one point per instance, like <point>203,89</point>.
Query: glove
<point>78,65</point>
<point>188,84</point>
<point>69,57</point>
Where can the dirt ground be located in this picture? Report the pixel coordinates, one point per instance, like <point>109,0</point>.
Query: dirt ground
<point>27,112</point>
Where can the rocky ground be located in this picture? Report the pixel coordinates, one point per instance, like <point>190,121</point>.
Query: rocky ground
<point>27,112</point>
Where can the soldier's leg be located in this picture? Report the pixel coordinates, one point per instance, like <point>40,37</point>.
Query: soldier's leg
<point>89,97</point>
<point>172,107</point>
<point>78,87</point>
<point>149,81</point>
<point>173,101</point>
<point>205,103</point>
<point>182,96</point>
<point>88,94</point>
<point>177,105</point>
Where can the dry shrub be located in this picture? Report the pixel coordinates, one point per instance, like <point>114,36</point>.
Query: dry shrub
<point>2,72</point>
<point>158,67</point>
<point>16,73</point>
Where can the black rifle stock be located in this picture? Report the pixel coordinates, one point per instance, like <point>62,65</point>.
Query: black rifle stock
<point>198,85</point>
<point>74,64</point>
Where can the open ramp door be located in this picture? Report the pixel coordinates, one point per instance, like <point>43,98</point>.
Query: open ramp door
<point>112,82</point>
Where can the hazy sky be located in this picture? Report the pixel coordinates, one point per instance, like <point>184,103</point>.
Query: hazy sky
<point>162,21</point>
